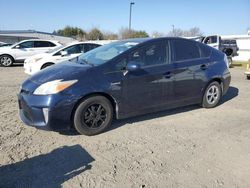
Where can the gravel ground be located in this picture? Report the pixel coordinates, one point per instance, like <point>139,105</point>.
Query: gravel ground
<point>187,147</point>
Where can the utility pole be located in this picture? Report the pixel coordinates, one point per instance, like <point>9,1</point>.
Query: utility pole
<point>130,13</point>
<point>173,30</point>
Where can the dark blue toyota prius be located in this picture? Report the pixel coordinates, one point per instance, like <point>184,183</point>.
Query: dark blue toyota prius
<point>123,79</point>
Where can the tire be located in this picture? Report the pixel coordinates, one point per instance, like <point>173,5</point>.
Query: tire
<point>230,62</point>
<point>6,60</point>
<point>248,77</point>
<point>93,115</point>
<point>212,95</point>
<point>47,65</point>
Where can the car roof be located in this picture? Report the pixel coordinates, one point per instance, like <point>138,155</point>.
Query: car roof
<point>54,41</point>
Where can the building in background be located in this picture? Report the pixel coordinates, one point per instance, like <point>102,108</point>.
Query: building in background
<point>13,36</point>
<point>243,42</point>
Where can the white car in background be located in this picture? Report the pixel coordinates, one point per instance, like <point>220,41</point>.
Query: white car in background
<point>41,61</point>
<point>18,52</point>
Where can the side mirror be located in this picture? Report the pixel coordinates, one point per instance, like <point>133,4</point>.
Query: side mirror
<point>17,46</point>
<point>64,53</point>
<point>133,66</point>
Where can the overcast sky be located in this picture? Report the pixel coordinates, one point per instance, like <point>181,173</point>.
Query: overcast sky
<point>211,16</point>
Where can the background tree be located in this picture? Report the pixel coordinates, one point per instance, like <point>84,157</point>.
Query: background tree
<point>110,36</point>
<point>74,32</point>
<point>195,31</point>
<point>95,34</point>
<point>157,34</point>
<point>125,33</point>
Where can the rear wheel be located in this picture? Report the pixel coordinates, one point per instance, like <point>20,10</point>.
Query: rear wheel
<point>230,62</point>
<point>93,115</point>
<point>212,95</point>
<point>6,60</point>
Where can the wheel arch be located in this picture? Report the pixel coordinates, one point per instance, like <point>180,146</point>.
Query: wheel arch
<point>8,55</point>
<point>215,79</point>
<point>109,97</point>
<point>45,64</point>
<point>228,51</point>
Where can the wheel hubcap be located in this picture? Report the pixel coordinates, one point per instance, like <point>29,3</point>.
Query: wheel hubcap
<point>94,116</point>
<point>212,94</point>
<point>6,61</point>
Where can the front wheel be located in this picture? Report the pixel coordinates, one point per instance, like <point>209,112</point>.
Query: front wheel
<point>93,115</point>
<point>6,60</point>
<point>212,95</point>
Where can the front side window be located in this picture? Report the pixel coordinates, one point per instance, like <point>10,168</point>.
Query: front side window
<point>185,50</point>
<point>75,49</point>
<point>27,44</point>
<point>153,54</point>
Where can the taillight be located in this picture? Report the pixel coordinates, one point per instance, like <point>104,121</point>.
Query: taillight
<point>226,61</point>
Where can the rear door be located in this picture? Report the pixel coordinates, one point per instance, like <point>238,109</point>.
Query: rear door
<point>42,46</point>
<point>190,70</point>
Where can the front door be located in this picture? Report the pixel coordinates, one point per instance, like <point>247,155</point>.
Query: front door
<point>23,50</point>
<point>150,86</point>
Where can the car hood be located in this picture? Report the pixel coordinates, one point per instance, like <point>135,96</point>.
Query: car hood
<point>42,55</point>
<point>4,48</point>
<point>63,71</point>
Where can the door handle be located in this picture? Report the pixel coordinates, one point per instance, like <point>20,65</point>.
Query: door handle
<point>168,74</point>
<point>203,67</point>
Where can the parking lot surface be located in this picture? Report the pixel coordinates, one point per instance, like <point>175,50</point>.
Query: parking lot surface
<point>185,147</point>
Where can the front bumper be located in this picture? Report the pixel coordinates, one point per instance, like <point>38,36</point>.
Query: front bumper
<point>51,112</point>
<point>30,69</point>
<point>226,82</point>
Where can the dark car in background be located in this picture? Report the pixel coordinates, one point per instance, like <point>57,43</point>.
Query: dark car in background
<point>124,79</point>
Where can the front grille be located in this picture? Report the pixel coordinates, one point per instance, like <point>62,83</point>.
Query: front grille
<point>27,115</point>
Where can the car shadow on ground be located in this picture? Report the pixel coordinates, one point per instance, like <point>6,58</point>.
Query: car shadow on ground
<point>47,170</point>
<point>14,65</point>
<point>231,93</point>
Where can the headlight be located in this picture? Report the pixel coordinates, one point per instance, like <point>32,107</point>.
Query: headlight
<point>53,87</point>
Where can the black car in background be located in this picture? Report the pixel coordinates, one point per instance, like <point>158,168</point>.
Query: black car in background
<point>124,79</point>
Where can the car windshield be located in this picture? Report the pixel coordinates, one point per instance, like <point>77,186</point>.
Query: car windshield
<point>105,53</point>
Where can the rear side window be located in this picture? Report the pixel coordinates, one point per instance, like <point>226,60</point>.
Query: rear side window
<point>205,51</point>
<point>43,44</point>
<point>75,49</point>
<point>88,47</point>
<point>185,50</point>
